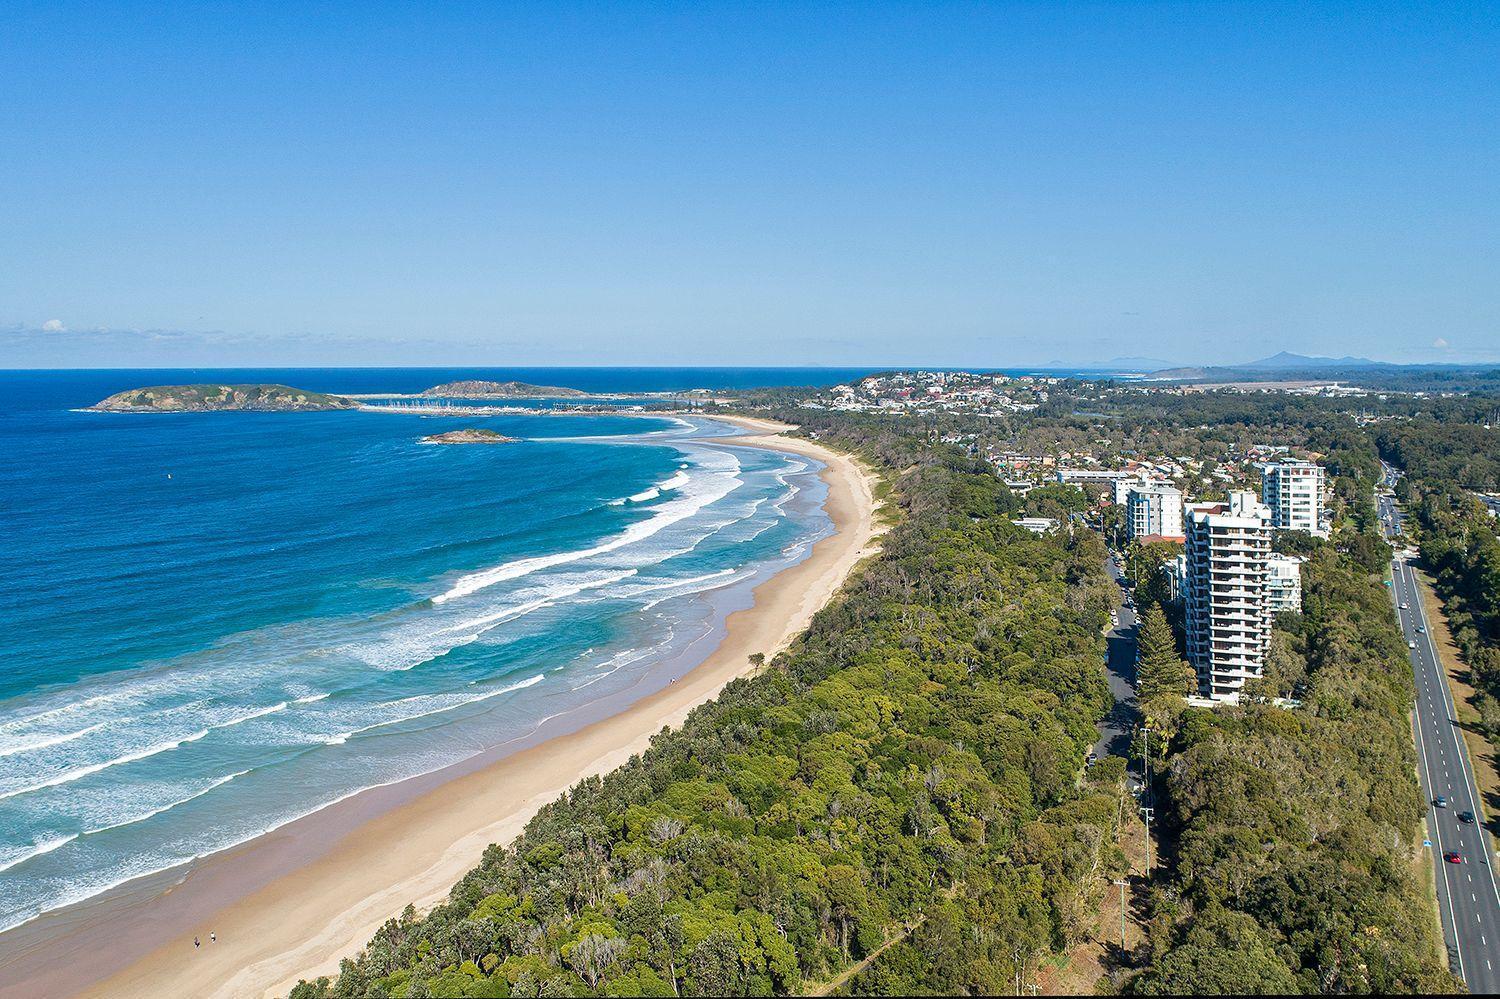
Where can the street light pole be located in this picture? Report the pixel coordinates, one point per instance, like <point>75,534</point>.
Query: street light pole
<point>1150,799</point>
<point>1147,813</point>
<point>1122,915</point>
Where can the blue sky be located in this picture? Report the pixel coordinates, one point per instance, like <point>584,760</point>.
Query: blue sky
<point>958,184</point>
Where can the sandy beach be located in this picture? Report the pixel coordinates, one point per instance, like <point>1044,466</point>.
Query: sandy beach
<point>300,921</point>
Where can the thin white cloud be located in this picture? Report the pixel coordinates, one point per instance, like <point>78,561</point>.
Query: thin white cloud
<point>49,346</point>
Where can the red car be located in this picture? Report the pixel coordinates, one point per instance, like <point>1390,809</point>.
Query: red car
<point>1453,857</point>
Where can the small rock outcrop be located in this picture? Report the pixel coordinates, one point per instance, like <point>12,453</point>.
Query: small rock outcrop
<point>468,436</point>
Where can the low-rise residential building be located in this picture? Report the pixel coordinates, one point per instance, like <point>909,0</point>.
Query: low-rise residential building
<point>1153,509</point>
<point>1284,583</point>
<point>1079,476</point>
<point>1037,525</point>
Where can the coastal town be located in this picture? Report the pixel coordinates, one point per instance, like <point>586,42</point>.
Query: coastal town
<point>602,500</point>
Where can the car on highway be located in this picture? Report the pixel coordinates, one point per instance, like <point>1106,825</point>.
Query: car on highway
<point>1406,606</point>
<point>1467,818</point>
<point>1453,857</point>
<point>1411,645</point>
<point>1441,801</point>
<point>1421,629</point>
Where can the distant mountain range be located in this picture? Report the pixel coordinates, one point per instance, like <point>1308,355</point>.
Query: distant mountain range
<point>1286,366</point>
<point>1283,364</point>
<point>1301,362</point>
<point>1283,361</point>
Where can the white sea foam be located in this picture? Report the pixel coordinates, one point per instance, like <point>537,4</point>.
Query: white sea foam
<point>716,486</point>
<point>763,528</point>
<point>220,782</point>
<point>672,584</point>
<point>16,724</point>
<point>499,616</point>
<point>423,640</point>
<point>448,703</point>
<point>46,846</point>
<point>619,661</point>
<point>567,590</point>
<point>78,773</point>
<point>53,740</point>
<point>261,713</point>
<point>677,481</point>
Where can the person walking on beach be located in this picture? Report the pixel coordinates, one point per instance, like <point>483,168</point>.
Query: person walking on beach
<point>213,938</point>
<point>197,943</point>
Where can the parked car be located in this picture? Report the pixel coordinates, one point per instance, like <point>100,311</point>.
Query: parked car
<point>1453,857</point>
<point>1441,801</point>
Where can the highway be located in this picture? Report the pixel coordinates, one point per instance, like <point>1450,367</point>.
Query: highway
<point>1468,902</point>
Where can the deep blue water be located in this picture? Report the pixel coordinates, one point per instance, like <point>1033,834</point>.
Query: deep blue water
<point>214,623</point>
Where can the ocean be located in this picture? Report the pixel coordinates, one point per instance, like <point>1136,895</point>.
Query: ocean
<point>215,623</point>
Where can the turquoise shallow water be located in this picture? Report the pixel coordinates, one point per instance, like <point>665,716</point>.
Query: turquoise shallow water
<point>215,623</point>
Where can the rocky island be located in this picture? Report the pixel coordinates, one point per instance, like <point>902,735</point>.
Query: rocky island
<point>468,436</point>
<point>216,398</point>
<point>472,389</point>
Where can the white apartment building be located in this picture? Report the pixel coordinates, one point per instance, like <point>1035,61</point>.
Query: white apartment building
<point>1176,572</point>
<point>1294,492</point>
<point>1226,605</point>
<point>1037,525</point>
<point>1153,509</point>
<point>1098,476</point>
<point>1122,487</point>
<point>1284,583</point>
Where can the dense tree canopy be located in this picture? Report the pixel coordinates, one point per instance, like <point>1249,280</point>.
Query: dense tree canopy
<point>1464,455</point>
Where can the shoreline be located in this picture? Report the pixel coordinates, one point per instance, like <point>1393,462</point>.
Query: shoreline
<point>303,911</point>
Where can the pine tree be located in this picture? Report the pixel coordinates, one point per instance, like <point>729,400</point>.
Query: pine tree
<point>1159,669</point>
